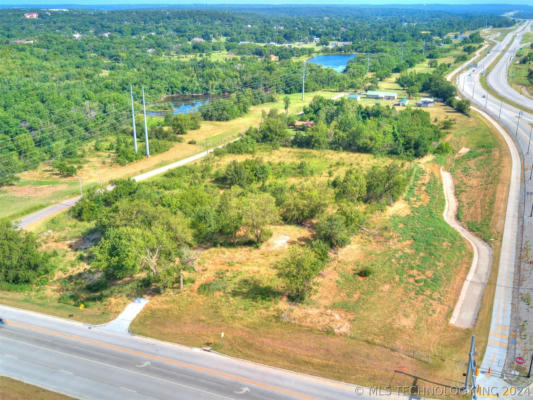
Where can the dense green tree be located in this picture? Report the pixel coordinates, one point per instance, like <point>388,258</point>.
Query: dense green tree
<point>258,211</point>
<point>304,203</point>
<point>385,183</point>
<point>21,261</point>
<point>332,229</point>
<point>352,187</point>
<point>298,271</point>
<point>119,253</point>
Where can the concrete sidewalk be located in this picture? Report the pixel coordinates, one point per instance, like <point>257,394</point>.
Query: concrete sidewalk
<point>467,307</point>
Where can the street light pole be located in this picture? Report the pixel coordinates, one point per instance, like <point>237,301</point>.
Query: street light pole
<point>517,123</point>
<point>529,142</point>
<point>500,113</point>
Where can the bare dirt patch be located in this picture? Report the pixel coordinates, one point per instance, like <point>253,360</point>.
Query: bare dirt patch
<point>462,151</point>
<point>400,208</point>
<point>29,191</point>
<point>322,319</point>
<point>278,242</point>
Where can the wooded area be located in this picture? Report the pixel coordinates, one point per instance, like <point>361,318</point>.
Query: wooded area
<point>66,75</point>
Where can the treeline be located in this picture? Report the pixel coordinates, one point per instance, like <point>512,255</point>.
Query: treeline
<point>436,85</point>
<point>346,125</point>
<point>60,89</point>
<point>235,105</point>
<point>171,27</point>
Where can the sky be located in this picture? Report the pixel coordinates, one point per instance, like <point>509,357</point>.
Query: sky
<point>41,3</point>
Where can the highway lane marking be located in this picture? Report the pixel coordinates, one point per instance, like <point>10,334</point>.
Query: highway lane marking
<point>66,372</point>
<point>166,360</point>
<point>145,364</point>
<point>119,368</point>
<point>499,335</point>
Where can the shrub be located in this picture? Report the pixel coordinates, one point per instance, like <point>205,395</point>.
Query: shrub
<point>352,187</point>
<point>305,203</point>
<point>64,169</point>
<point>385,183</point>
<point>298,271</point>
<point>333,231</point>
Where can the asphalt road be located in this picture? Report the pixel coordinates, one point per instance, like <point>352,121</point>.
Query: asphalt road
<point>501,348</point>
<point>62,206</point>
<point>86,362</point>
<point>497,79</point>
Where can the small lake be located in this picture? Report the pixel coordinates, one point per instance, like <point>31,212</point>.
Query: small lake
<point>338,62</point>
<point>183,104</point>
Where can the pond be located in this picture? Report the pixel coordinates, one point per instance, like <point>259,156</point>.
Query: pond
<point>183,104</point>
<point>338,62</point>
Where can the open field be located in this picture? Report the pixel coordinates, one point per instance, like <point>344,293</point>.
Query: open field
<point>15,390</point>
<point>41,187</point>
<point>353,318</point>
<point>359,316</point>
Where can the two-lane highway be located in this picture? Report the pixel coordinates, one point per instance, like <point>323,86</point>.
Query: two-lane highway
<point>87,362</point>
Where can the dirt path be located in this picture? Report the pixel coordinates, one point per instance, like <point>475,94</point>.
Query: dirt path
<point>467,307</point>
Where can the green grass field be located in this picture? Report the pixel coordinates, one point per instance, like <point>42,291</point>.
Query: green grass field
<point>11,389</point>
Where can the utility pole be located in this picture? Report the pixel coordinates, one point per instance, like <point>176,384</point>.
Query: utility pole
<point>518,122</point>
<point>471,371</point>
<point>529,142</point>
<point>145,128</point>
<point>133,121</point>
<point>303,81</point>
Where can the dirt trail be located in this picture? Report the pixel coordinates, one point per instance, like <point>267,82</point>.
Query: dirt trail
<point>467,307</point>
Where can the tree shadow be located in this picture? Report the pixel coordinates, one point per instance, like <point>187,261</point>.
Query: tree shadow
<point>253,289</point>
<point>456,385</point>
<point>88,239</point>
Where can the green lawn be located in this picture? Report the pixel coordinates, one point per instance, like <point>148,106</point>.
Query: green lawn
<point>11,389</point>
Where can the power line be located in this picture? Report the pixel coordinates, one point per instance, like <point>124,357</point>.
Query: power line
<point>36,151</point>
<point>68,135</point>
